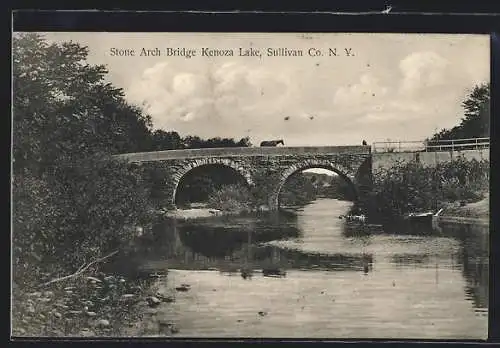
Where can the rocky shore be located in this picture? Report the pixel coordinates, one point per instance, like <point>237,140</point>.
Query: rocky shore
<point>90,306</point>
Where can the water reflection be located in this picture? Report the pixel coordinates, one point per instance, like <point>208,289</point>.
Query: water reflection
<point>434,277</point>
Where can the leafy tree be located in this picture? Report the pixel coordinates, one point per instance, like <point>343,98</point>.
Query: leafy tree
<point>476,120</point>
<point>162,140</point>
<point>63,107</point>
<point>71,201</point>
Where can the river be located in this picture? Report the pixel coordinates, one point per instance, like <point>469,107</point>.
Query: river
<point>337,284</point>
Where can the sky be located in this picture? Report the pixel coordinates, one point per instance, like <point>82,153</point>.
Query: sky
<point>392,86</point>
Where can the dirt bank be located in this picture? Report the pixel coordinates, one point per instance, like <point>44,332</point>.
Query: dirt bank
<point>476,210</point>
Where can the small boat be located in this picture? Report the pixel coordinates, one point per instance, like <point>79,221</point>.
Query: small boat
<point>426,220</point>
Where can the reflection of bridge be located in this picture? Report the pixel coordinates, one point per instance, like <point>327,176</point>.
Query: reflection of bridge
<point>264,169</point>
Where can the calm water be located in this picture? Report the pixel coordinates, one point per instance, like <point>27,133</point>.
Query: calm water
<point>337,284</point>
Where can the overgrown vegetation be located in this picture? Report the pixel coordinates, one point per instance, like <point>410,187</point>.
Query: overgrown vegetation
<point>232,198</point>
<point>413,187</point>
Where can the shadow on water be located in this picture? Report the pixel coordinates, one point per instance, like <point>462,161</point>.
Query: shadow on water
<point>474,259</point>
<point>232,243</point>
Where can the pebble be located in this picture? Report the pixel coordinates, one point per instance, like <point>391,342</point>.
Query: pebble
<point>86,333</point>
<point>93,279</point>
<point>30,309</point>
<point>91,314</point>
<point>75,312</point>
<point>69,288</point>
<point>57,315</point>
<point>153,301</point>
<point>41,316</point>
<point>125,296</point>
<point>48,293</point>
<point>36,294</point>
<point>21,331</point>
<point>103,323</point>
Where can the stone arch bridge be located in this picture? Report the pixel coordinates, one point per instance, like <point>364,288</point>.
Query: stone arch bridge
<point>264,169</point>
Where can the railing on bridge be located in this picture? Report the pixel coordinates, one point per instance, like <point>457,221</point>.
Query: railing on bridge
<point>431,146</point>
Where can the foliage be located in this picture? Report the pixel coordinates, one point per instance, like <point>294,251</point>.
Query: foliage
<point>409,186</point>
<point>298,190</point>
<point>63,106</point>
<point>476,120</point>
<point>162,140</point>
<point>231,198</point>
<point>71,202</point>
<point>81,211</point>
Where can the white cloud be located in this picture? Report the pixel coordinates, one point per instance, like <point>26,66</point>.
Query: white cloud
<point>367,91</point>
<point>422,70</point>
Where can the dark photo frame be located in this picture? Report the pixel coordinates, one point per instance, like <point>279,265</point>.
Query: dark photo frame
<point>219,220</point>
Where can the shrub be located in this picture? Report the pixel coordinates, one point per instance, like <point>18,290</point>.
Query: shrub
<point>84,209</point>
<point>231,198</point>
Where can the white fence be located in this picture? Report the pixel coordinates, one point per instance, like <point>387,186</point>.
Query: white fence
<point>431,146</point>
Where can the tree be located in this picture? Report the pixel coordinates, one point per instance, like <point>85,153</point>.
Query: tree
<point>63,107</point>
<point>71,201</point>
<point>476,120</point>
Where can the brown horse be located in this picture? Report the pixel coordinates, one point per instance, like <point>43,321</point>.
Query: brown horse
<point>272,143</point>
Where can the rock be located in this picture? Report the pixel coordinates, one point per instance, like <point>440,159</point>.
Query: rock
<point>48,294</point>
<point>167,326</point>
<point>103,323</point>
<point>86,333</point>
<point>168,299</point>
<point>35,294</point>
<point>20,331</point>
<point>91,314</point>
<point>69,288</point>
<point>45,299</point>
<point>57,315</point>
<point>122,280</point>
<point>127,296</point>
<point>95,280</point>
<point>183,287</point>
<point>75,312</point>
<point>109,278</point>
<point>41,316</point>
<point>262,313</point>
<point>30,309</point>
<point>69,292</point>
<point>153,301</point>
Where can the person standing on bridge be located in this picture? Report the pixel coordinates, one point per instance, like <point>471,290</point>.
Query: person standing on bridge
<point>364,143</point>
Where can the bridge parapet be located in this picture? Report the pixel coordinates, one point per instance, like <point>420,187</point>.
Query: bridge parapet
<point>243,152</point>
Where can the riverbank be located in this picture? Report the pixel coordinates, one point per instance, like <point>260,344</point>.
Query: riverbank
<point>99,305</point>
<point>201,213</point>
<point>472,211</point>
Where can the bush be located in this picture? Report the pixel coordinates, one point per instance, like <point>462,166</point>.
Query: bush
<point>231,198</point>
<point>410,187</point>
<point>83,210</point>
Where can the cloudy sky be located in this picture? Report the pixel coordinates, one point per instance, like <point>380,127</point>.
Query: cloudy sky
<point>396,86</point>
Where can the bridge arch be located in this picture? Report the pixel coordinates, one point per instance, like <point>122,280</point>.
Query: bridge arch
<point>196,163</point>
<point>337,168</point>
